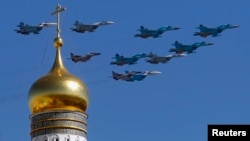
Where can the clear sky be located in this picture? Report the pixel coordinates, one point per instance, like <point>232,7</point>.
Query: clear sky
<point>207,87</point>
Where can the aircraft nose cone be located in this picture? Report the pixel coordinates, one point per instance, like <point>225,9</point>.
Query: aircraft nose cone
<point>210,44</point>
<point>154,72</point>
<point>236,26</point>
<point>96,53</point>
<point>181,55</point>
<point>110,22</point>
<point>46,24</point>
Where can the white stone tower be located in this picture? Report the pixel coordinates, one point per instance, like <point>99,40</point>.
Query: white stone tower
<point>58,101</point>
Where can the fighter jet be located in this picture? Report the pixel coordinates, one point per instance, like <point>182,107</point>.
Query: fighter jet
<point>81,27</point>
<point>133,75</point>
<point>155,59</point>
<point>145,32</point>
<point>121,60</point>
<point>26,29</point>
<point>214,32</point>
<point>82,58</point>
<point>180,48</point>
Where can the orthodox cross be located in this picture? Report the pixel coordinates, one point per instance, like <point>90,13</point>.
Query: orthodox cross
<point>57,11</point>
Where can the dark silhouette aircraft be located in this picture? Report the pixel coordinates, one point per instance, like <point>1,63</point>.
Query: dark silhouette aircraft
<point>26,29</point>
<point>145,32</point>
<point>155,59</point>
<point>133,75</point>
<point>121,60</point>
<point>81,27</point>
<point>82,58</point>
<point>180,48</point>
<point>214,32</point>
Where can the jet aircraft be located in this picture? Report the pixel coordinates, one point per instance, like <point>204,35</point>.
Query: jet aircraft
<point>214,32</point>
<point>155,59</point>
<point>81,27</point>
<point>180,48</point>
<point>121,60</point>
<point>133,75</point>
<point>82,58</point>
<point>145,32</point>
<point>26,29</point>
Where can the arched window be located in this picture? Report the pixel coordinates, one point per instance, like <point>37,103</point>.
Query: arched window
<point>67,138</point>
<point>77,138</point>
<point>45,138</point>
<point>56,138</point>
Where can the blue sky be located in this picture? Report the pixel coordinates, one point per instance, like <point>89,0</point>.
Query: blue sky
<point>207,87</point>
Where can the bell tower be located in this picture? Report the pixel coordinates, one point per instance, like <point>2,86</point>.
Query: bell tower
<point>58,101</point>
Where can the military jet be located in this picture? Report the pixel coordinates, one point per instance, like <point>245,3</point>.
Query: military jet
<point>180,48</point>
<point>214,32</point>
<point>133,75</point>
<point>82,58</point>
<point>155,59</point>
<point>26,29</point>
<point>81,27</point>
<point>145,32</point>
<point>121,60</point>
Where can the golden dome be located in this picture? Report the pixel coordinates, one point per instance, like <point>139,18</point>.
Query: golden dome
<point>58,90</point>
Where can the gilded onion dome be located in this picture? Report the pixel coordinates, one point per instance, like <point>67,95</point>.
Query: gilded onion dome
<point>58,90</point>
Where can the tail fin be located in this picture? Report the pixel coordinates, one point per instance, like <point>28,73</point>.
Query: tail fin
<point>117,55</point>
<point>76,23</point>
<point>114,75</point>
<point>126,71</point>
<point>201,26</point>
<point>151,54</point>
<point>142,27</point>
<point>72,57</point>
<point>176,43</point>
<point>21,24</point>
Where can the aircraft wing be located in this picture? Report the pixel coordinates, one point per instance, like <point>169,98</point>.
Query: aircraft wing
<point>89,28</point>
<point>36,32</point>
<point>209,30</point>
<point>25,33</point>
<point>83,59</point>
<point>152,61</point>
<point>156,35</point>
<point>80,30</point>
<point>22,32</point>
<point>215,34</point>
